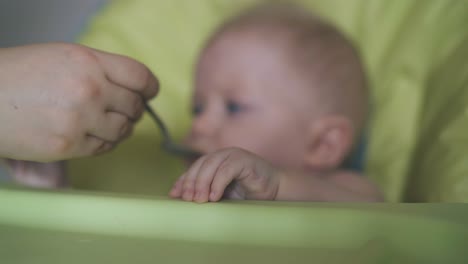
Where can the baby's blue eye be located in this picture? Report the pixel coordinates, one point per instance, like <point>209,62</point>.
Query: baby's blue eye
<point>233,108</point>
<point>197,110</point>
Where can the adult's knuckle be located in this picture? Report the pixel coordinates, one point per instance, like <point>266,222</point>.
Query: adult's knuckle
<point>87,89</point>
<point>80,54</point>
<point>60,145</point>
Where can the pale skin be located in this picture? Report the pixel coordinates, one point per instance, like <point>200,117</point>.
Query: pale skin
<point>234,173</point>
<point>264,141</point>
<point>60,101</point>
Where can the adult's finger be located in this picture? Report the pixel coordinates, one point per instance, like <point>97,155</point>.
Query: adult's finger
<point>95,145</point>
<point>110,127</point>
<point>128,73</point>
<point>124,101</point>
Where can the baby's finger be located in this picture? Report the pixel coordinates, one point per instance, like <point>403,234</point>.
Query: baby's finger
<point>188,186</point>
<point>176,190</point>
<point>206,175</point>
<point>226,173</point>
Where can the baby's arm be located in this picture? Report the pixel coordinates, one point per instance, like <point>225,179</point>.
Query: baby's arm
<point>37,174</point>
<point>238,174</point>
<point>336,186</point>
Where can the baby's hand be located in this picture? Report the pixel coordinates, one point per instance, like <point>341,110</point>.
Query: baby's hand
<point>232,172</point>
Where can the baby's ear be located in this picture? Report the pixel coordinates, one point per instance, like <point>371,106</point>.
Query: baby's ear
<point>329,142</point>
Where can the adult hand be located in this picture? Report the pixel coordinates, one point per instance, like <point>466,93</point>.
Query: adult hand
<point>233,173</point>
<point>61,101</point>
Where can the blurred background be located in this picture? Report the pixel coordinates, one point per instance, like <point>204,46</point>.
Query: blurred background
<point>28,21</point>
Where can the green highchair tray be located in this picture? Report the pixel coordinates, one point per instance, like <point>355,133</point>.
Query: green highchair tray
<point>81,227</point>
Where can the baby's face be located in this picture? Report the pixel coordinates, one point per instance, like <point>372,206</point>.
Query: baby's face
<point>246,96</point>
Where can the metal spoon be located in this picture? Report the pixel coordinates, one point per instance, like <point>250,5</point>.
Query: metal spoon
<point>168,144</point>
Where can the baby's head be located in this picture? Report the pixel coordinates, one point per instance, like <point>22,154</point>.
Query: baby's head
<point>281,83</point>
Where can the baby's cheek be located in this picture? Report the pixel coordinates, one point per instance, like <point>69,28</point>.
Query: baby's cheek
<point>275,156</point>
<point>256,145</point>
<point>281,152</point>
<point>272,145</point>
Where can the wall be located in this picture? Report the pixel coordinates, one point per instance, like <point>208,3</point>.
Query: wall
<point>29,21</point>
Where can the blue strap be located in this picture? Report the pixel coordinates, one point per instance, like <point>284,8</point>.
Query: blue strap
<point>357,158</point>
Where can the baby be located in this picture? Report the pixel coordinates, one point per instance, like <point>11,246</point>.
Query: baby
<point>280,98</point>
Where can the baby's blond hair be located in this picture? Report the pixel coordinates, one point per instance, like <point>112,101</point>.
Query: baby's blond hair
<point>319,51</point>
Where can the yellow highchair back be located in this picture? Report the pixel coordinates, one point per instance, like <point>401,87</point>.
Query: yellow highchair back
<point>415,52</point>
